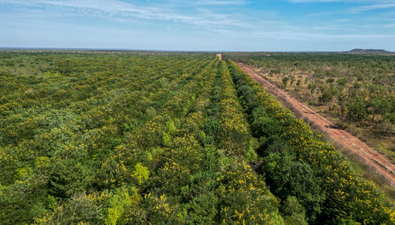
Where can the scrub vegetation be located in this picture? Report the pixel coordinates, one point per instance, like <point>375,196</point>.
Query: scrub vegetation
<point>355,90</point>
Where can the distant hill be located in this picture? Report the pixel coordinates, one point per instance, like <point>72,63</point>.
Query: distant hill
<point>369,51</point>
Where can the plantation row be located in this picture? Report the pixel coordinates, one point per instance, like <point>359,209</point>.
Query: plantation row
<point>356,87</point>
<point>125,146</point>
<point>354,90</point>
<point>298,163</point>
<point>134,138</point>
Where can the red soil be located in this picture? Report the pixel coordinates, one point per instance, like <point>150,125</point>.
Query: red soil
<point>372,158</point>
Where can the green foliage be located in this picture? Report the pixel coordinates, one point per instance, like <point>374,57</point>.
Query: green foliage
<point>342,81</point>
<point>79,209</point>
<point>291,178</point>
<point>356,110</point>
<point>235,135</point>
<point>119,202</point>
<point>141,173</point>
<point>348,75</point>
<point>327,95</point>
<point>285,81</point>
<point>38,210</point>
<point>297,163</point>
<point>171,128</point>
<point>160,138</point>
<point>68,177</point>
<point>244,198</point>
<point>42,162</point>
<point>330,80</point>
<point>293,211</point>
<point>251,155</point>
<point>166,139</point>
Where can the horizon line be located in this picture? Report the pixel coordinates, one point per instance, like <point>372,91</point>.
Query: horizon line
<point>173,51</point>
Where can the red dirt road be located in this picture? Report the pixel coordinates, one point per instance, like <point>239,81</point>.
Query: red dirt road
<point>375,160</point>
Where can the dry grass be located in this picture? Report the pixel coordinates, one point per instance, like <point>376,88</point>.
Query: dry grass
<point>368,134</point>
<point>383,144</point>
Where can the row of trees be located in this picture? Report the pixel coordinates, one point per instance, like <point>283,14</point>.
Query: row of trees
<point>362,85</point>
<point>163,138</point>
<point>355,90</point>
<point>127,147</point>
<point>62,147</point>
<point>300,167</point>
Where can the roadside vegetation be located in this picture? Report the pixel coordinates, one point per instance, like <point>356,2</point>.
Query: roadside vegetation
<point>355,90</point>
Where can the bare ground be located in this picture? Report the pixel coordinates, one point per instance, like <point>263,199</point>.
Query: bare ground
<point>367,155</point>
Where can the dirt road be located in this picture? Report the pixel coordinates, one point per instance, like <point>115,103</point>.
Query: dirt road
<point>376,161</point>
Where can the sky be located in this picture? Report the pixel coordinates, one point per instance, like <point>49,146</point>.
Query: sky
<point>199,25</point>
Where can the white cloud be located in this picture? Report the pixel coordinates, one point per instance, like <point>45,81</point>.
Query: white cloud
<point>373,7</point>
<point>121,11</point>
<point>220,2</point>
<point>191,19</point>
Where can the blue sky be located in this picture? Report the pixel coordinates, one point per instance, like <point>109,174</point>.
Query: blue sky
<point>199,25</point>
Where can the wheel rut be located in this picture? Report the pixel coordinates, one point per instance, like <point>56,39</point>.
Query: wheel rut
<point>375,160</point>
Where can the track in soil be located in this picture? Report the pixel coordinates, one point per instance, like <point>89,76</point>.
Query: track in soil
<point>375,160</point>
